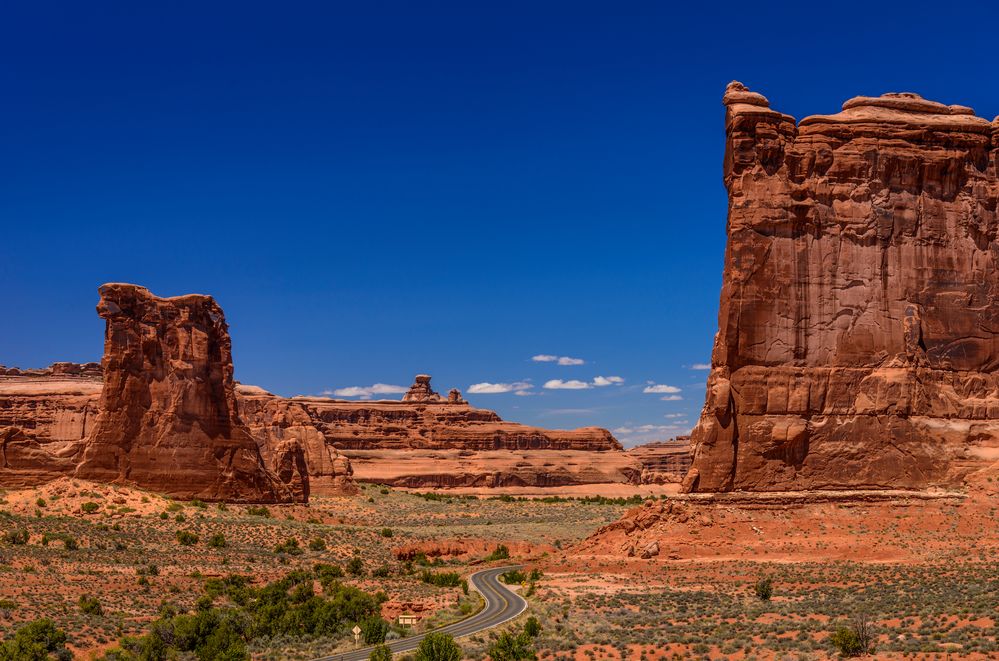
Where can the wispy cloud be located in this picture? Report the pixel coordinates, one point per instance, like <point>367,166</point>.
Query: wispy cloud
<point>631,435</point>
<point>671,398</point>
<point>576,384</point>
<point>572,384</point>
<point>486,388</point>
<point>366,392</point>
<point>659,388</point>
<point>700,366</point>
<point>561,360</point>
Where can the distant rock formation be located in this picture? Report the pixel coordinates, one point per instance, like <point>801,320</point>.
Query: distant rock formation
<point>663,462</point>
<point>275,421</point>
<point>858,332</point>
<point>168,417</point>
<point>421,391</point>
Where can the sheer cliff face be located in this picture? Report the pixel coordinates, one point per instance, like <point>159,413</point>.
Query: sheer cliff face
<point>858,335</point>
<point>168,419</point>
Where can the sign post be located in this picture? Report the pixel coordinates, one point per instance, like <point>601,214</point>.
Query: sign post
<point>357,634</point>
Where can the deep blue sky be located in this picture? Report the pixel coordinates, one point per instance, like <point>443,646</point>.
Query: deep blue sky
<point>376,189</point>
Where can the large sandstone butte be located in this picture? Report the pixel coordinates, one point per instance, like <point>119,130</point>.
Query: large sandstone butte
<point>168,418</point>
<point>858,335</point>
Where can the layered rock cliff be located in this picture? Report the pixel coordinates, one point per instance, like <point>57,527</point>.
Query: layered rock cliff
<point>858,331</point>
<point>168,418</point>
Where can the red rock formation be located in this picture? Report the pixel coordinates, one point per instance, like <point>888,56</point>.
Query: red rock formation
<point>168,419</point>
<point>859,327</point>
<point>275,422</point>
<point>25,462</point>
<point>663,462</point>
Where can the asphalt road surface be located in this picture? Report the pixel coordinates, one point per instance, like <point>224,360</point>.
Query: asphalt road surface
<point>502,605</point>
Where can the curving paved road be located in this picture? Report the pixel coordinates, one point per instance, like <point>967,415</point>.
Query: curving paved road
<point>502,605</point>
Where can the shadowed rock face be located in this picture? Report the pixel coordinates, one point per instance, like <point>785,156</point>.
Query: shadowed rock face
<point>168,419</point>
<point>858,331</point>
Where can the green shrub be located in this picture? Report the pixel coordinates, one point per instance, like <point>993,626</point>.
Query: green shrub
<point>90,507</point>
<point>90,605</point>
<point>532,627</point>
<point>373,629</point>
<point>258,511</point>
<point>512,648</point>
<point>186,538</point>
<point>441,579</point>
<point>500,553</point>
<point>318,544</point>
<point>36,641</point>
<point>217,541</point>
<point>355,567</point>
<point>16,537</point>
<point>325,572</point>
<point>764,589</point>
<point>289,546</point>
<point>437,646</point>
<point>41,502</point>
<point>386,532</point>
<point>854,640</point>
<point>381,571</point>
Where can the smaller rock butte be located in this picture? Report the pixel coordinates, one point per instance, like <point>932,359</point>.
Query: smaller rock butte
<point>168,419</point>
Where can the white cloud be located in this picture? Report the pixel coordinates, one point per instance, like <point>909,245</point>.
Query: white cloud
<point>486,388</point>
<point>671,398</point>
<point>631,435</point>
<point>660,388</point>
<point>572,384</point>
<point>675,415</point>
<point>561,360</point>
<point>367,392</point>
<point>607,381</point>
<point>700,366</point>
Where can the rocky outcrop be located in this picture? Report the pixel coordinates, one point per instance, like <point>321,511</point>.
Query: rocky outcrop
<point>859,321</point>
<point>168,417</point>
<point>277,423</point>
<point>663,462</point>
<point>26,462</point>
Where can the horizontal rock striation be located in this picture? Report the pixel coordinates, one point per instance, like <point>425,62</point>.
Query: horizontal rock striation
<point>858,335</point>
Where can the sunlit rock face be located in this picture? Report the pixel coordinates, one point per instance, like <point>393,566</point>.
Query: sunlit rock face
<point>168,419</point>
<point>858,331</point>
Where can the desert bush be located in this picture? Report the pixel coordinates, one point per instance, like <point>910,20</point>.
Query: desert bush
<point>437,646</point>
<point>217,541</point>
<point>355,566</point>
<point>441,579</point>
<point>854,640</point>
<point>36,641</point>
<point>532,627</point>
<point>325,572</point>
<point>289,546</point>
<point>386,532</point>
<point>373,629</point>
<point>186,538</point>
<point>16,537</point>
<point>500,553</point>
<point>90,605</point>
<point>509,647</point>
<point>318,544</point>
<point>764,589</point>
<point>89,507</point>
<point>261,510</point>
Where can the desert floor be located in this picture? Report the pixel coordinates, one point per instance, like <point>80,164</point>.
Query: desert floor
<point>923,571</point>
